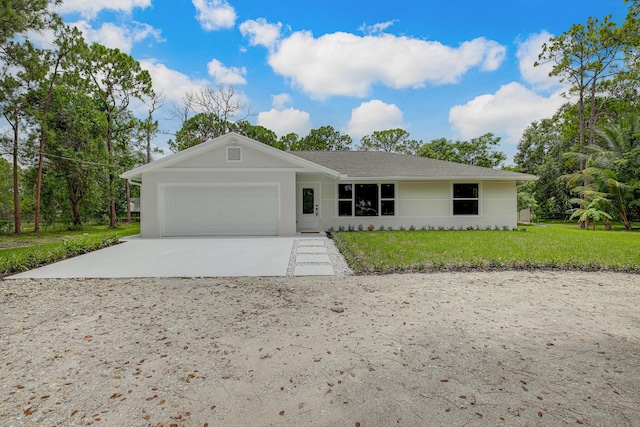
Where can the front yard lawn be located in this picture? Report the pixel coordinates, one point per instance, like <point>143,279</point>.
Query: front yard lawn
<point>551,246</point>
<point>30,250</point>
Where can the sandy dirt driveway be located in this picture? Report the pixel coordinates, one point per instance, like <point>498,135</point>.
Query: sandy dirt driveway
<point>447,349</point>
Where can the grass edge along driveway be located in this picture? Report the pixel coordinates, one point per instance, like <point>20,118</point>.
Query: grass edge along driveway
<point>31,251</point>
<point>547,247</point>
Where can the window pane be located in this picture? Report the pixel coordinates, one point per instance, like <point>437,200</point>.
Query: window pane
<point>345,191</point>
<point>344,208</point>
<point>388,207</point>
<point>465,207</point>
<point>367,200</point>
<point>465,191</point>
<point>387,191</point>
<point>307,201</point>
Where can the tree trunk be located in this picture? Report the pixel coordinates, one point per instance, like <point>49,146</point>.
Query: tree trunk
<point>148,130</point>
<point>45,112</point>
<point>36,216</point>
<point>75,210</point>
<point>113,217</point>
<point>128,191</point>
<point>16,186</point>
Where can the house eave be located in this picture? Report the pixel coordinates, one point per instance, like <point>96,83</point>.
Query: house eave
<point>439,178</point>
<point>164,164</point>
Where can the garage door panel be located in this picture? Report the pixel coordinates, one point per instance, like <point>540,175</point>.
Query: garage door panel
<point>215,210</point>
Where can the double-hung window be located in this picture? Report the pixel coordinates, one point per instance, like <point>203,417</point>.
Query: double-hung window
<point>366,199</point>
<point>466,200</point>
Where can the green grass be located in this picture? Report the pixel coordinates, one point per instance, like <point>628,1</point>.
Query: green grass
<point>557,246</point>
<point>30,250</point>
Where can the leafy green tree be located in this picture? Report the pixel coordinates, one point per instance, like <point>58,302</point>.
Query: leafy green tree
<point>288,142</point>
<point>410,146</point>
<point>540,152</point>
<point>258,133</point>
<point>115,79</point>
<point>619,146</point>
<point>61,59</point>
<point>6,187</point>
<point>597,181</point>
<point>590,57</point>
<point>194,131</point>
<point>612,167</point>
<point>478,152</point>
<point>76,150</point>
<point>325,138</point>
<point>20,16</point>
<point>385,140</point>
<point>23,69</point>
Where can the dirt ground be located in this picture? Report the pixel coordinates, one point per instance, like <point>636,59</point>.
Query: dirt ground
<point>449,349</point>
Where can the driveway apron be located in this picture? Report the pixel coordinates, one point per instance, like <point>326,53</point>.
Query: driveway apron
<point>199,257</point>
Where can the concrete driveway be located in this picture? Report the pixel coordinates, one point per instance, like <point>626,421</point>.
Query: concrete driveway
<point>199,257</point>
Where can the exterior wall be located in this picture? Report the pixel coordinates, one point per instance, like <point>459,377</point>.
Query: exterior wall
<point>150,215</point>
<point>425,204</point>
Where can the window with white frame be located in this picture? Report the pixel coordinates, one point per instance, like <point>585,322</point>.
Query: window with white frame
<point>466,199</point>
<point>366,199</point>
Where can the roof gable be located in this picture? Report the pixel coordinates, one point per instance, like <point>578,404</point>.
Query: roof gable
<point>212,155</point>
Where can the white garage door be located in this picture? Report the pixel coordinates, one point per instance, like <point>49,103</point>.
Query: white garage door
<point>219,210</point>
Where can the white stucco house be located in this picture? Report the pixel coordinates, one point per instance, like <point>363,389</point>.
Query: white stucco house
<point>236,186</point>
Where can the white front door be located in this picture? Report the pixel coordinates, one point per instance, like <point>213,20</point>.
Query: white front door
<point>308,207</point>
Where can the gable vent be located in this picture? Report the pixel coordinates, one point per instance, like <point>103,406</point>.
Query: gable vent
<point>234,154</point>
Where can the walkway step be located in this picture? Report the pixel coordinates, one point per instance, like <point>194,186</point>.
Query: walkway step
<point>310,258</point>
<point>314,270</point>
<point>314,258</point>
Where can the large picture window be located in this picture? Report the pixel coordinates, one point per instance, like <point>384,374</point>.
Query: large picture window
<point>466,199</point>
<point>366,199</point>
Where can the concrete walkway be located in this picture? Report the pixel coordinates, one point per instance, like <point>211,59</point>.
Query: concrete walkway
<point>200,257</point>
<point>309,257</point>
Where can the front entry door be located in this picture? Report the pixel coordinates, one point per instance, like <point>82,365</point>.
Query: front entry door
<point>308,207</point>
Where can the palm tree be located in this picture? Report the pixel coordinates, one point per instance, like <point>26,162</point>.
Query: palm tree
<point>591,212</point>
<point>609,166</point>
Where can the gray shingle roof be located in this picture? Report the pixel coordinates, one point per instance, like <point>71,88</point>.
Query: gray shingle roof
<point>380,164</point>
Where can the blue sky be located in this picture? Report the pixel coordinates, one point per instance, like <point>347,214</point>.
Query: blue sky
<point>453,69</point>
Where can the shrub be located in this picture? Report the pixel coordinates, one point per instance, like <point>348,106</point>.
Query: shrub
<point>36,256</point>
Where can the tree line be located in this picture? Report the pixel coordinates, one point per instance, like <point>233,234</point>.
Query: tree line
<point>72,128</point>
<point>588,154</point>
<point>73,131</point>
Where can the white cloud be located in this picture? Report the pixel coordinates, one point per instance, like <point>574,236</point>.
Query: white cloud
<point>260,32</point>
<point>91,8</point>
<point>372,116</point>
<point>375,28</point>
<point>114,36</point>
<point>173,84</point>
<point>510,110</point>
<point>347,64</point>
<point>214,14</point>
<point>286,121</point>
<point>281,100</point>
<point>527,54</point>
<point>226,75</point>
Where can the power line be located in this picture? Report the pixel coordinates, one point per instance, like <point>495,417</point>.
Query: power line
<point>83,161</point>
